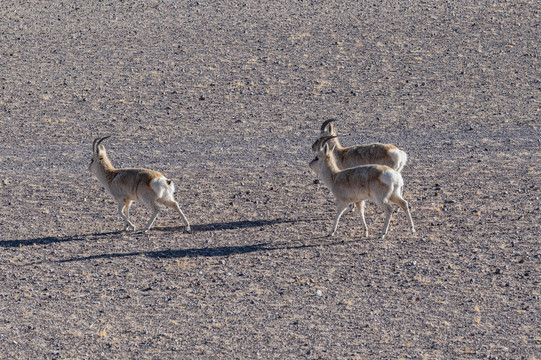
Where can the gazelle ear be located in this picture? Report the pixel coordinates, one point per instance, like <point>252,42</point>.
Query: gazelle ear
<point>101,149</point>
<point>333,147</point>
<point>325,149</point>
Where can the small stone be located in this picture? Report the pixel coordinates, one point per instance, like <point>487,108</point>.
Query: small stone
<point>319,293</point>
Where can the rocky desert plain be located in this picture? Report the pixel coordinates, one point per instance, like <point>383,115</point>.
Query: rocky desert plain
<point>226,98</point>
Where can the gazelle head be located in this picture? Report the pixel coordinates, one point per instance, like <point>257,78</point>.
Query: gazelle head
<point>324,155</point>
<point>99,155</point>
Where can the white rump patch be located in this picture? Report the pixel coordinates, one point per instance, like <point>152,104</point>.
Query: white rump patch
<point>163,187</point>
<point>387,178</point>
<point>392,178</point>
<point>400,158</point>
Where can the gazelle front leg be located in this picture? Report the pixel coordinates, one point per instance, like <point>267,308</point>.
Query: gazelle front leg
<point>125,204</point>
<point>341,207</point>
<point>155,210</point>
<point>151,220</point>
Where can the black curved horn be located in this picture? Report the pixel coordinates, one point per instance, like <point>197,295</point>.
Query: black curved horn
<point>97,142</point>
<point>327,122</point>
<point>323,140</point>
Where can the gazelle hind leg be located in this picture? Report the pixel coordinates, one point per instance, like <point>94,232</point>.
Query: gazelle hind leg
<point>403,204</point>
<point>174,205</point>
<point>360,205</point>
<point>388,214</point>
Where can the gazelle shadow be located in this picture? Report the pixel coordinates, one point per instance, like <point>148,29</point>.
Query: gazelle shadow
<point>234,225</point>
<point>208,251</point>
<point>195,228</point>
<point>179,253</point>
<point>52,239</point>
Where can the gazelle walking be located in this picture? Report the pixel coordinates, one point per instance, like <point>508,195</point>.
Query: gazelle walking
<point>378,183</point>
<point>128,185</point>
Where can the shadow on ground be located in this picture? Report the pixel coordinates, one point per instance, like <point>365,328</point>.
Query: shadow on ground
<point>234,225</point>
<point>207,251</point>
<point>52,239</point>
<point>179,253</point>
<point>195,228</point>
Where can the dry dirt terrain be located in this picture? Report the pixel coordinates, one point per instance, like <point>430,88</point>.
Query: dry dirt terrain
<point>226,98</point>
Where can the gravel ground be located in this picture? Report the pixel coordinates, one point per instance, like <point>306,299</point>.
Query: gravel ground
<point>226,99</point>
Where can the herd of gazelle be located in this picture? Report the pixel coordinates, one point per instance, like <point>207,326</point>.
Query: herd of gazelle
<point>353,174</point>
<point>359,173</point>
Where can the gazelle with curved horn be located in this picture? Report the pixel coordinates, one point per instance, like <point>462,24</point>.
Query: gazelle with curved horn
<point>127,185</point>
<point>378,183</point>
<point>347,157</point>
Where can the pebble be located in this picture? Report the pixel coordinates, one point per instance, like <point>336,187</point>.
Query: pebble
<point>319,293</point>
